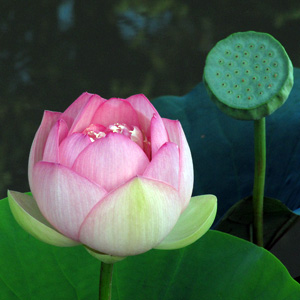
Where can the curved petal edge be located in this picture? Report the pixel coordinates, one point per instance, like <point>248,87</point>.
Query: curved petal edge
<point>29,217</point>
<point>193,223</point>
<point>106,258</point>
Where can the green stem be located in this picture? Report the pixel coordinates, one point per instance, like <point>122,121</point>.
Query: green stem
<point>105,283</point>
<point>259,179</point>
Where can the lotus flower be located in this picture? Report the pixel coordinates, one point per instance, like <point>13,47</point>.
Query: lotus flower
<point>114,176</point>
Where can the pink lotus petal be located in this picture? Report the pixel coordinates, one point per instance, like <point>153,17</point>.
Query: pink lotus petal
<point>75,108</point>
<point>84,118</point>
<point>159,135</point>
<point>145,111</point>
<point>58,132</point>
<point>111,161</point>
<point>132,219</point>
<point>38,145</point>
<point>186,171</point>
<point>64,197</point>
<point>115,111</point>
<point>165,165</point>
<point>71,147</point>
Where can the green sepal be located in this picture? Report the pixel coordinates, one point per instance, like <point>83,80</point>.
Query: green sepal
<point>29,217</point>
<point>106,258</point>
<point>193,223</point>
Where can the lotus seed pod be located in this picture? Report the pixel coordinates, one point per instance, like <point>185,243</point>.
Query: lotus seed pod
<point>248,75</point>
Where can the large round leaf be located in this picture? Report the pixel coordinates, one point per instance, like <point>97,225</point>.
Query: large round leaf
<point>218,266</point>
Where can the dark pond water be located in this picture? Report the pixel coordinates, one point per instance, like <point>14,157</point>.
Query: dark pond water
<point>53,50</point>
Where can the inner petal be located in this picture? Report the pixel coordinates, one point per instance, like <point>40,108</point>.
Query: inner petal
<point>111,161</point>
<point>115,111</point>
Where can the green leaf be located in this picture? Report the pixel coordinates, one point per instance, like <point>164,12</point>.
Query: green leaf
<point>218,266</point>
<point>238,220</point>
<point>222,147</point>
<point>281,229</point>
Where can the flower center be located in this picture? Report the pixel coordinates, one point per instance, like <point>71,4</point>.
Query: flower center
<point>97,131</point>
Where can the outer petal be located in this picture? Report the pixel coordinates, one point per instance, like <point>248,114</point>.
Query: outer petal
<point>29,217</point>
<point>132,219</point>
<point>38,145</point>
<point>159,134</point>
<point>186,171</point>
<point>64,197</point>
<point>165,165</point>
<point>71,147</point>
<point>115,111</point>
<point>84,118</point>
<point>58,132</point>
<point>192,224</point>
<point>111,161</point>
<point>145,111</point>
<point>75,108</point>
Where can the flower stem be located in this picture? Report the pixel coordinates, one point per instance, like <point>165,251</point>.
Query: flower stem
<point>259,179</point>
<point>105,283</point>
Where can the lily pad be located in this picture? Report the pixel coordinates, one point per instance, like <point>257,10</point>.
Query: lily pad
<point>281,227</point>
<point>217,266</point>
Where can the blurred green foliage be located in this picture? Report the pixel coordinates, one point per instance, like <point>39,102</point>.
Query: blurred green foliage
<point>53,50</point>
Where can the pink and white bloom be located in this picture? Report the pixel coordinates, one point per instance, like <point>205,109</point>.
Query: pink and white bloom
<point>111,175</point>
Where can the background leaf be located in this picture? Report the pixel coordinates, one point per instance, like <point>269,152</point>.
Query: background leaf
<point>218,266</point>
<point>223,149</point>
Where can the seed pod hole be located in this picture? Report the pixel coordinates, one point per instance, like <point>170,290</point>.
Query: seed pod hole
<point>262,47</point>
<point>275,75</point>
